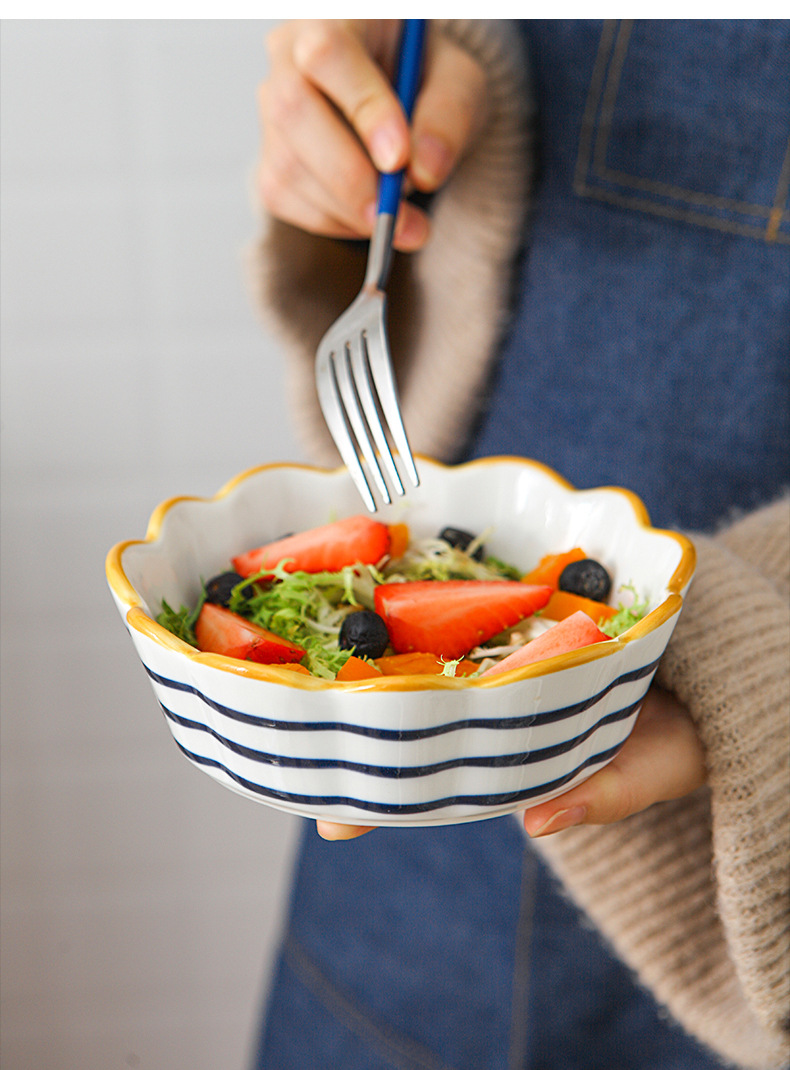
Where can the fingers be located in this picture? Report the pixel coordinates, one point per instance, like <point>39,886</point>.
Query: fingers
<point>292,193</point>
<point>662,759</point>
<point>329,830</point>
<point>449,112</point>
<point>329,118</point>
<point>313,171</point>
<point>335,58</point>
<point>331,121</point>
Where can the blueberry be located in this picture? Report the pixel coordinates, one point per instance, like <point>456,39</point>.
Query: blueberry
<point>461,539</point>
<point>365,633</point>
<point>218,589</point>
<point>587,578</point>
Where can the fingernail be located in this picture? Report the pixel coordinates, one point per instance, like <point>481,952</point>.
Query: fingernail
<point>562,819</point>
<point>411,230</point>
<point>386,147</point>
<point>432,160</point>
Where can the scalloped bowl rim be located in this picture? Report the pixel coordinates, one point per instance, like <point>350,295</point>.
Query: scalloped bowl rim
<point>139,619</point>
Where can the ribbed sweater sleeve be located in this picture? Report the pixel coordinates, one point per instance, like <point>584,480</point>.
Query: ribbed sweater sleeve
<point>448,302</point>
<point>694,894</point>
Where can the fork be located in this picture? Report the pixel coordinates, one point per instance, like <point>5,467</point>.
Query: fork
<point>354,377</point>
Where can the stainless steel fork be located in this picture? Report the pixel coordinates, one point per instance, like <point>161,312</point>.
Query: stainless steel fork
<point>354,378</point>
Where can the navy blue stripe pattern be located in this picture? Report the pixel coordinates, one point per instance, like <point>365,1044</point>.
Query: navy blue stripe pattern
<point>481,801</point>
<point>509,723</point>
<point>494,761</point>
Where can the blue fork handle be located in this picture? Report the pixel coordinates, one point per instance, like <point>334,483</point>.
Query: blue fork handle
<point>407,80</point>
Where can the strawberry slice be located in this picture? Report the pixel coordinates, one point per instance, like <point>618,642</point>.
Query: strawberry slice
<point>572,633</point>
<point>220,631</point>
<point>355,540</point>
<point>450,617</point>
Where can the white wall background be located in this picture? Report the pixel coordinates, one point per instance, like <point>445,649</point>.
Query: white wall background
<point>140,900</point>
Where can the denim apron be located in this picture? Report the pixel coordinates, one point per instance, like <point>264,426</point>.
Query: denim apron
<point>650,348</point>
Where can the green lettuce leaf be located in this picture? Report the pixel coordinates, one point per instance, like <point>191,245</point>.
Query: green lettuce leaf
<point>626,616</point>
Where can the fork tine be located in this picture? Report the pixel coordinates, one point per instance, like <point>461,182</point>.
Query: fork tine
<point>381,370</point>
<point>362,381</point>
<point>351,404</point>
<point>334,414</point>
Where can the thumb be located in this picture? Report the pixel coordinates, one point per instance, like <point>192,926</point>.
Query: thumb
<point>662,759</point>
<point>448,113</point>
<point>331,830</point>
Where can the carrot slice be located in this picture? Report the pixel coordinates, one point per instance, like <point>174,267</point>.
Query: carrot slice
<point>549,568</point>
<point>357,669</point>
<point>420,664</point>
<point>563,604</point>
<point>409,664</point>
<point>399,539</point>
<point>296,667</point>
<point>465,667</point>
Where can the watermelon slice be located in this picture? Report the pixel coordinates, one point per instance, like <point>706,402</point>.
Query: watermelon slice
<point>220,631</point>
<point>450,617</point>
<point>354,540</point>
<point>574,632</point>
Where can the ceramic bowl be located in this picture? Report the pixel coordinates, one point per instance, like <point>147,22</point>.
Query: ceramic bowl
<point>402,750</point>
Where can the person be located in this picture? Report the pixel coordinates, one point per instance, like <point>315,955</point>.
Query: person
<point>593,271</point>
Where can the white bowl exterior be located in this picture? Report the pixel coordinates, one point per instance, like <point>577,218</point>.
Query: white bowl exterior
<point>404,756</point>
<point>520,720</point>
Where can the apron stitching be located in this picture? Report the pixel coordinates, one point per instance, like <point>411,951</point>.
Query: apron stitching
<point>594,140</point>
<point>399,1050</point>
<point>609,96</point>
<point>777,212</point>
<point>519,1020</point>
<point>591,106</point>
<point>686,214</point>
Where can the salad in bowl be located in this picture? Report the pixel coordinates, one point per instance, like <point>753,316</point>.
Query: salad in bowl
<point>476,648</point>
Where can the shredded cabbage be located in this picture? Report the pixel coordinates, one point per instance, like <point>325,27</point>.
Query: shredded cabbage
<point>626,616</point>
<point>435,559</point>
<point>308,608</point>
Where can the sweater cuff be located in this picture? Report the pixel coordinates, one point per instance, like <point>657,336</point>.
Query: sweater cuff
<point>447,303</point>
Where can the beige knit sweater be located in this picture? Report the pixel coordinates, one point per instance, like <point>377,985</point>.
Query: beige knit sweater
<point>694,894</point>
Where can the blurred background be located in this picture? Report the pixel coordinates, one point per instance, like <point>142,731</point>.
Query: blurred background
<point>141,901</point>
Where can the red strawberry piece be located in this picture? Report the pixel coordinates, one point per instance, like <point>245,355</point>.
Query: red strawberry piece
<point>355,540</point>
<point>220,631</point>
<point>573,633</point>
<point>448,618</point>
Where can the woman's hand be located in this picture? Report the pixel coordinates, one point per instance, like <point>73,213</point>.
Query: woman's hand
<point>662,759</point>
<point>330,120</point>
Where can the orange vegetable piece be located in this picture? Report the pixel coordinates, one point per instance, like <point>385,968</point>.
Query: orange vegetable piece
<point>563,604</point>
<point>549,568</point>
<point>465,667</point>
<point>296,667</point>
<point>420,664</point>
<point>357,669</point>
<point>399,539</point>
